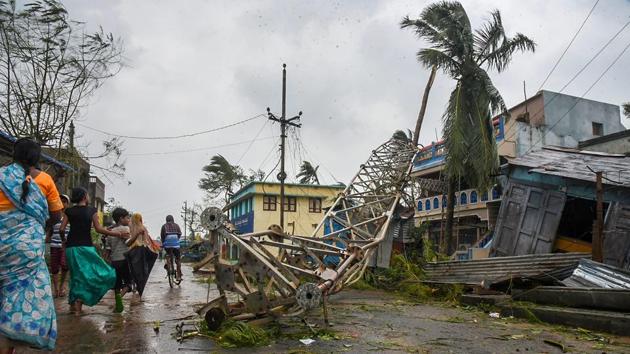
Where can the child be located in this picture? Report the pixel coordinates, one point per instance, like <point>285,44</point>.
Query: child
<point>58,255</point>
<point>118,248</point>
<point>90,276</point>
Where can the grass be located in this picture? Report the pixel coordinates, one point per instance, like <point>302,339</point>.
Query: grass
<point>237,334</point>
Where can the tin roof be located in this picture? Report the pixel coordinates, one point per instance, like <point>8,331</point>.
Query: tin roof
<point>46,157</point>
<point>576,164</point>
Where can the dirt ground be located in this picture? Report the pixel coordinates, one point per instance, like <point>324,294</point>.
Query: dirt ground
<point>361,322</point>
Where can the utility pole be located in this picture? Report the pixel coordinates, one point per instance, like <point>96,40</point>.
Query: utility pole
<point>282,175</point>
<point>185,217</point>
<point>598,229</point>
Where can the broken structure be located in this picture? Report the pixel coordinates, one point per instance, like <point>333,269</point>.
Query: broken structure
<point>281,274</point>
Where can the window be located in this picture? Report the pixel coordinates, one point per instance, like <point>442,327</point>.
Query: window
<point>420,205</point>
<point>495,194</point>
<point>290,204</point>
<point>484,196</point>
<point>473,197</point>
<point>427,205</point>
<point>269,202</point>
<point>314,205</point>
<point>443,201</point>
<point>463,199</point>
<point>436,203</point>
<point>598,129</point>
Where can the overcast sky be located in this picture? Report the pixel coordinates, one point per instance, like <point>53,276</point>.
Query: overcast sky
<point>196,65</point>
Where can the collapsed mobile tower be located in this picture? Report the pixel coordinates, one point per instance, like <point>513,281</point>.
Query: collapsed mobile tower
<point>286,275</point>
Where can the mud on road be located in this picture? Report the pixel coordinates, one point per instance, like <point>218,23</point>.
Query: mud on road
<point>361,322</point>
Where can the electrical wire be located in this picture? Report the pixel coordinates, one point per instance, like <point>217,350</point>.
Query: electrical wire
<point>174,136</point>
<point>568,46</point>
<point>508,138</point>
<point>252,142</point>
<point>581,97</point>
<point>199,149</point>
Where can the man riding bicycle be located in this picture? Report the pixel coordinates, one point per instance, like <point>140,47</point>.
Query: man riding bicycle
<point>170,235</point>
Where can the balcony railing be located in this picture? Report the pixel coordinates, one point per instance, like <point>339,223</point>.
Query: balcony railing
<point>464,200</point>
<point>434,154</point>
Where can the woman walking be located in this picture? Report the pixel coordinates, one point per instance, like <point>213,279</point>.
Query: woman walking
<point>142,252</point>
<point>28,198</point>
<point>90,276</point>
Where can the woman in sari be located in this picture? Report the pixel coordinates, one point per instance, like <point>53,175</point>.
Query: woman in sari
<point>28,198</point>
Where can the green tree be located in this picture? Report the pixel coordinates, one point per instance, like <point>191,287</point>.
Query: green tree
<point>626,109</point>
<point>308,173</point>
<point>49,66</point>
<point>221,178</point>
<point>465,55</point>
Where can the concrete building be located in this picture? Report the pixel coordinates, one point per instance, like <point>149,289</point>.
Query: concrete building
<point>547,118</point>
<point>257,206</point>
<point>615,143</point>
<point>96,191</point>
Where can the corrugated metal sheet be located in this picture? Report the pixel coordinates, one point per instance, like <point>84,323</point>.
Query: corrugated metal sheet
<point>574,164</point>
<point>493,270</point>
<point>591,274</point>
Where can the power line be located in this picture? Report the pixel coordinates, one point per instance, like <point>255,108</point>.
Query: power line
<point>199,149</point>
<point>173,136</point>
<point>581,97</point>
<point>507,138</point>
<point>252,142</point>
<point>568,46</point>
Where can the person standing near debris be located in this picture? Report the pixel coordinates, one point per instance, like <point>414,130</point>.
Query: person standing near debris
<point>142,252</point>
<point>28,198</point>
<point>58,255</point>
<point>90,276</point>
<point>118,249</point>
<point>170,235</point>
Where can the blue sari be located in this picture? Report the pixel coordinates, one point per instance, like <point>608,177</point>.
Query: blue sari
<point>27,311</point>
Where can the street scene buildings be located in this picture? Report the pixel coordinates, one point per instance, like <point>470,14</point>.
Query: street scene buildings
<point>457,182</point>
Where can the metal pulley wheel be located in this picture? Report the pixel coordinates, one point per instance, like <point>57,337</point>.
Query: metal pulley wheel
<point>212,218</point>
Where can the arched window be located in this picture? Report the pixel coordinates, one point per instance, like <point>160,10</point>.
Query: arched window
<point>473,197</point>
<point>427,205</point>
<point>463,198</point>
<point>420,205</point>
<point>444,201</point>
<point>436,203</point>
<point>495,194</point>
<point>484,196</point>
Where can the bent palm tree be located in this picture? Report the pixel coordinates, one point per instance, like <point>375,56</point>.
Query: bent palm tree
<point>463,54</point>
<point>308,173</point>
<point>221,177</point>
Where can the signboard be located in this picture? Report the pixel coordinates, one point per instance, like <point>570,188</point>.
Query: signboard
<point>244,223</point>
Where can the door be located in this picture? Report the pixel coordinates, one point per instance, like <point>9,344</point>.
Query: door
<point>528,220</point>
<point>617,236</point>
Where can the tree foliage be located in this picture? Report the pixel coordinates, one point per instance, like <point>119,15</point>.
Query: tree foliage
<point>49,66</point>
<point>465,55</point>
<point>221,178</point>
<point>308,173</point>
<point>402,135</point>
<point>626,109</point>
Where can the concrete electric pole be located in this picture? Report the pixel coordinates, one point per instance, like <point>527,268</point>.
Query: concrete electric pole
<point>282,175</point>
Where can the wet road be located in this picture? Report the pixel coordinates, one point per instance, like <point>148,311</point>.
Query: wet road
<point>365,321</point>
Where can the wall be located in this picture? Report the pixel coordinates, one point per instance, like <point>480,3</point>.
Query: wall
<point>576,125</point>
<point>302,219</point>
<point>617,146</point>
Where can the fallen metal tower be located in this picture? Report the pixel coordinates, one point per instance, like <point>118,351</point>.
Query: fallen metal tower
<point>279,274</point>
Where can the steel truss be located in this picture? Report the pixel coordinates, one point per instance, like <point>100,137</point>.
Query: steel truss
<point>280,274</point>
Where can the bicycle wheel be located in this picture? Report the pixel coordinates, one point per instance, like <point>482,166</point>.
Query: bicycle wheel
<point>169,267</point>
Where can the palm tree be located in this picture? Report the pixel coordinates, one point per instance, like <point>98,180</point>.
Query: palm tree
<point>401,135</point>
<point>626,109</point>
<point>221,177</point>
<point>465,56</point>
<point>308,173</point>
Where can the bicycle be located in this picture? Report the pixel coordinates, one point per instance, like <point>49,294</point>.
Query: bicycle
<point>171,269</point>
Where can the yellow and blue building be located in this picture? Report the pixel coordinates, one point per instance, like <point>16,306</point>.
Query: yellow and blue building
<point>256,206</point>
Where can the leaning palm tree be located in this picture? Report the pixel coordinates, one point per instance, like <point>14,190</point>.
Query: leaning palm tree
<point>465,55</point>
<point>221,178</point>
<point>308,173</point>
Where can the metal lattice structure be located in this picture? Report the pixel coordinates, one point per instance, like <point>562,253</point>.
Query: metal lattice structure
<point>285,274</point>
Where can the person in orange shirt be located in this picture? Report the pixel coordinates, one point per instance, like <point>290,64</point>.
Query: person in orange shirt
<point>29,202</point>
